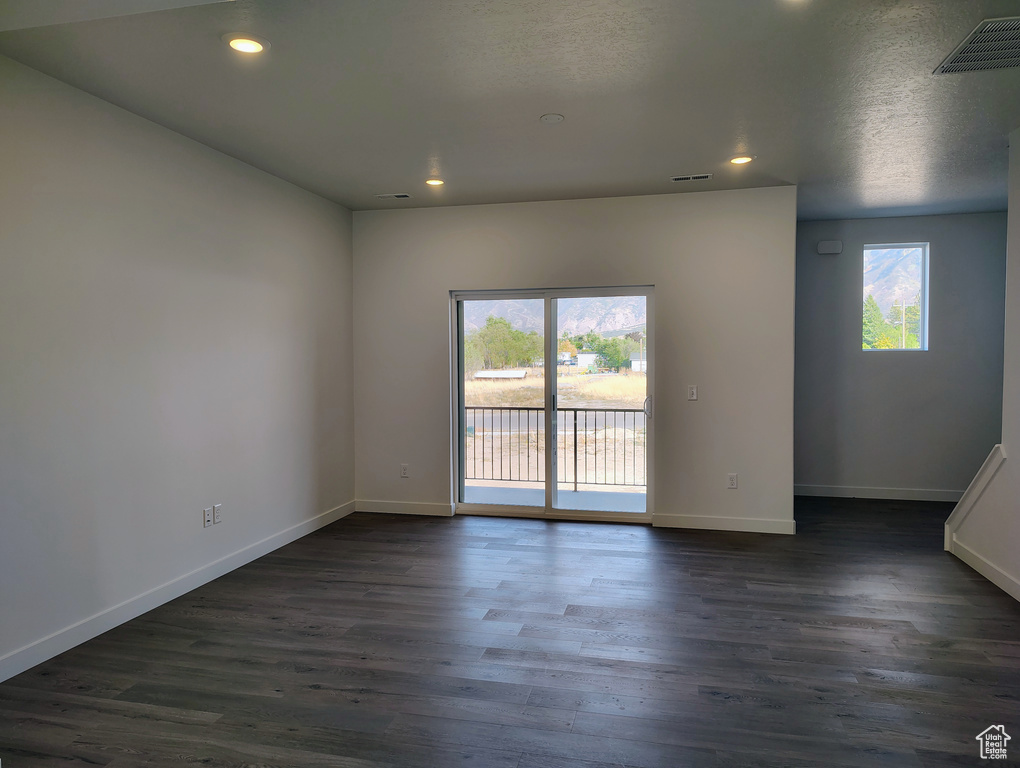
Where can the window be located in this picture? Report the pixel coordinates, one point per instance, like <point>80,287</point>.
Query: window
<point>895,296</point>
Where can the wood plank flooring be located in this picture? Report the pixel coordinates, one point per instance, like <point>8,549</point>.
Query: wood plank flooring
<point>384,641</point>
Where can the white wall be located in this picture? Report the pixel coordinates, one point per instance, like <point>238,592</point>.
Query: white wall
<point>175,331</point>
<point>984,530</point>
<point>722,264</point>
<point>913,425</point>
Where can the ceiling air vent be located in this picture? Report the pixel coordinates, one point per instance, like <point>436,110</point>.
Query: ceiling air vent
<point>394,196</point>
<point>995,44</point>
<point>693,177</point>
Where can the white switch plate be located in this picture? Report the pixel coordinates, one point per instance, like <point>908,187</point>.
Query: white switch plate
<point>692,391</point>
<point>731,480</point>
<point>207,517</point>
<point>217,516</point>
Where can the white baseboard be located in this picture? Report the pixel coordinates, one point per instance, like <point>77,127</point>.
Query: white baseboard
<point>859,492</point>
<point>28,656</point>
<point>405,507</point>
<point>706,522</point>
<point>1004,581</point>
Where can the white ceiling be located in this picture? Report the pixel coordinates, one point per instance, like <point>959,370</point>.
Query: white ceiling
<point>360,97</point>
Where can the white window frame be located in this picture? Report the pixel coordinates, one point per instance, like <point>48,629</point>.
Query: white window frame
<point>550,295</point>
<point>926,249</point>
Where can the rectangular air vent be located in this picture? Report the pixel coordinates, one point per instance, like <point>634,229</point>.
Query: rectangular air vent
<point>693,177</point>
<point>995,44</point>
<point>394,196</point>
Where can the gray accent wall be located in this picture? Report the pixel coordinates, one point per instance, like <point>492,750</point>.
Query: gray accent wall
<point>899,424</point>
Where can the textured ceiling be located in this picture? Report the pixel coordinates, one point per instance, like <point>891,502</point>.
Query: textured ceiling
<point>359,97</point>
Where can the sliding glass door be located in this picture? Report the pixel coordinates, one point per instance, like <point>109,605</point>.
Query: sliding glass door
<point>601,396</point>
<point>553,402</point>
<point>502,401</point>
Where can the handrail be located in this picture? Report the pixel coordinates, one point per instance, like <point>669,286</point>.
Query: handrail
<point>539,408</point>
<point>507,443</point>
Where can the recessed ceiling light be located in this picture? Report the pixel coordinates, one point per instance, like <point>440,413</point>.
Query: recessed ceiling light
<point>435,182</point>
<point>741,159</point>
<point>246,43</point>
<point>551,117</point>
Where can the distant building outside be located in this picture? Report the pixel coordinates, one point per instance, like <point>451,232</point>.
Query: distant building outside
<point>586,359</point>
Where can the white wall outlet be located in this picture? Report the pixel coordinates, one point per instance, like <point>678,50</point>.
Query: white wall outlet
<point>692,391</point>
<point>403,471</point>
<point>217,514</point>
<point>207,517</point>
<point>731,480</point>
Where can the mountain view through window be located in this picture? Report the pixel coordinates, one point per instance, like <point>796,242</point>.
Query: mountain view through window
<point>895,304</point>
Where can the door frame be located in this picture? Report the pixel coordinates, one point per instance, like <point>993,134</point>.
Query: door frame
<point>549,295</point>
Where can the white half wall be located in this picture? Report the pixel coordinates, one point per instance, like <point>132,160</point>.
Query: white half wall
<point>985,532</point>
<point>175,332</point>
<point>899,424</point>
<point>722,264</point>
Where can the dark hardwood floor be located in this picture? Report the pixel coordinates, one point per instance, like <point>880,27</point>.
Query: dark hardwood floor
<point>486,643</point>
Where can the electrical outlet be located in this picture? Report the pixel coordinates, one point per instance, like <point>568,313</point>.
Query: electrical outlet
<point>217,517</point>
<point>692,391</point>
<point>207,517</point>
<point>731,480</point>
<point>403,472</point>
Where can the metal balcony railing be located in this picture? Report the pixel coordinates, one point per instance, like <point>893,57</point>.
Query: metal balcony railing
<point>595,446</point>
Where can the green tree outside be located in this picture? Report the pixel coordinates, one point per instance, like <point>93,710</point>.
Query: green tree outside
<point>874,324</point>
<point>498,345</point>
<point>911,313</point>
<point>887,332</point>
<point>612,353</point>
